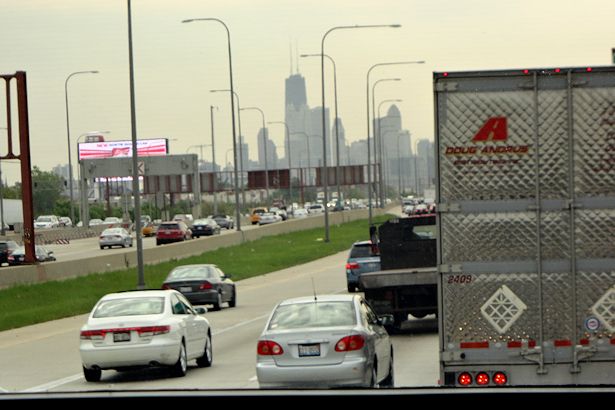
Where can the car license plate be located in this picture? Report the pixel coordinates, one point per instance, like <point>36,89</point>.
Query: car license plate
<point>185,289</point>
<point>309,350</point>
<point>121,337</point>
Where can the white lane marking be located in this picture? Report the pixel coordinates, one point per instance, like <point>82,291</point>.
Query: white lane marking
<point>54,384</point>
<point>75,377</point>
<point>241,324</point>
<point>3,390</point>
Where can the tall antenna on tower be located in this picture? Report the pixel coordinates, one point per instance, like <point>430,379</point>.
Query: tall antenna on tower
<point>297,54</point>
<point>290,52</point>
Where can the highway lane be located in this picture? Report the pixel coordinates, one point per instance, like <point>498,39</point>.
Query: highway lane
<point>45,357</point>
<point>88,247</point>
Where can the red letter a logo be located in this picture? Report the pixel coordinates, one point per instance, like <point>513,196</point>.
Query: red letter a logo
<point>495,129</point>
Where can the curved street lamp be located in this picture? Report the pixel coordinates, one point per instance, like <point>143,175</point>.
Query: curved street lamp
<point>241,170</point>
<point>337,135</point>
<point>369,173</point>
<point>290,179</point>
<point>324,127</point>
<point>265,138</point>
<point>70,162</point>
<point>230,65</point>
<point>378,142</point>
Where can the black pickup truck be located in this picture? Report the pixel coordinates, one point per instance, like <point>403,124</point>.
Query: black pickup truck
<point>407,281</point>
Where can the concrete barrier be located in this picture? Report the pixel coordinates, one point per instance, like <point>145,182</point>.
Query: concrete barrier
<point>48,271</point>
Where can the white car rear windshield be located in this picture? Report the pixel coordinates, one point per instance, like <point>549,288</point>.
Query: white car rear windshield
<point>130,307</point>
<point>317,314</point>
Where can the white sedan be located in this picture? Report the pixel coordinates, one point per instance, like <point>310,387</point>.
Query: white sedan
<point>269,218</point>
<point>148,328</point>
<point>114,237</point>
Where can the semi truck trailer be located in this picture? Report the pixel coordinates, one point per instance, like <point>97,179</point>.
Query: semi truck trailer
<point>525,163</point>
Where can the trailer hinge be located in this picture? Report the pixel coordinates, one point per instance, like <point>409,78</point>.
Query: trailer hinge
<point>446,86</point>
<point>570,205</point>
<point>581,353</point>
<point>534,355</point>
<point>449,268</point>
<point>447,207</point>
<point>579,83</point>
<point>527,85</point>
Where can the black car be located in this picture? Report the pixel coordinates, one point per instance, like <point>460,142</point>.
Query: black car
<point>19,255</point>
<point>6,248</point>
<point>205,227</point>
<point>225,221</point>
<point>203,284</point>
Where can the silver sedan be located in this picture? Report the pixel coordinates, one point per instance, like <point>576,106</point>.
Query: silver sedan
<point>325,341</point>
<point>114,237</point>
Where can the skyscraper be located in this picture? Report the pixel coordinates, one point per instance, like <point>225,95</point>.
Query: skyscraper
<point>302,121</point>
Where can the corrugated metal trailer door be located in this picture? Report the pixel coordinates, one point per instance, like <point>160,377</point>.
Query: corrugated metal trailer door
<point>526,212</point>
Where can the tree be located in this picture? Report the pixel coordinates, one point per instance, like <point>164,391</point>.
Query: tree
<point>47,189</point>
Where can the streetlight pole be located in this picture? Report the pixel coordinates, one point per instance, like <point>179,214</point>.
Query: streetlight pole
<point>307,139</point>
<point>70,163</point>
<point>2,230</point>
<point>135,155</point>
<point>230,65</point>
<point>213,157</point>
<point>416,175</point>
<point>290,179</point>
<point>369,172</point>
<point>85,219</point>
<point>399,182</point>
<point>241,169</point>
<point>265,139</point>
<point>337,135</point>
<point>324,126</point>
<point>378,142</point>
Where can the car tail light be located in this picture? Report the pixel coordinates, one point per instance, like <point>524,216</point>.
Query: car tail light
<point>465,379</point>
<point>152,330</point>
<point>268,348</point>
<point>93,334</point>
<point>352,265</point>
<point>205,285</point>
<point>349,343</point>
<point>143,331</point>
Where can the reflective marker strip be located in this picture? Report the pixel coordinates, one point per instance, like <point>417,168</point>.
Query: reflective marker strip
<point>514,344</point>
<point>474,345</point>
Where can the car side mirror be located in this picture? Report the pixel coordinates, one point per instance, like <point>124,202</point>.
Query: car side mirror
<point>200,310</point>
<point>386,320</point>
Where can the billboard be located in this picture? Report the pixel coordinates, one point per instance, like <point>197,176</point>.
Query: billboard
<point>109,149</point>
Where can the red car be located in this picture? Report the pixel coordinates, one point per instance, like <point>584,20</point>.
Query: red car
<point>172,231</point>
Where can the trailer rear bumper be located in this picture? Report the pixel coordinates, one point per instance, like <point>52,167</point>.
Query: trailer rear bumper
<point>522,375</point>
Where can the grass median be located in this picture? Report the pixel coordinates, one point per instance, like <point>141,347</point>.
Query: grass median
<point>25,305</point>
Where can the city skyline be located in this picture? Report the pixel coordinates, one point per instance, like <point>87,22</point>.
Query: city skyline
<point>176,64</point>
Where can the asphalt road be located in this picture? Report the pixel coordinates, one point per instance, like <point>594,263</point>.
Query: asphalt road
<point>45,357</point>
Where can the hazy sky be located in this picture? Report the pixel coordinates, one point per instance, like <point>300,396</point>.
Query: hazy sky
<point>177,64</point>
